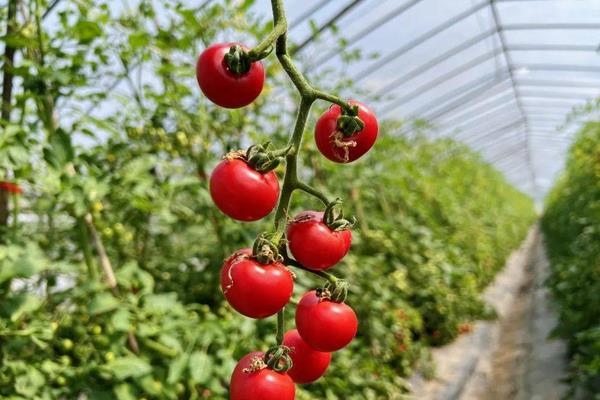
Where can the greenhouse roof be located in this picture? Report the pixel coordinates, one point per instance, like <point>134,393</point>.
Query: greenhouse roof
<point>501,75</point>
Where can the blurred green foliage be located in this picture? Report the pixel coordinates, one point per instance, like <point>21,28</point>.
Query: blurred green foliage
<point>571,224</point>
<point>107,120</point>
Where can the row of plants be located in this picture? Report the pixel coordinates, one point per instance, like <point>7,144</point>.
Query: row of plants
<point>112,251</point>
<point>571,224</point>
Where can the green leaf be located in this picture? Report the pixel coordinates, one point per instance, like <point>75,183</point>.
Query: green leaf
<point>60,150</point>
<point>200,367</point>
<point>102,303</point>
<point>160,303</point>
<point>177,368</point>
<point>124,391</point>
<point>19,262</point>
<point>86,31</point>
<point>29,384</point>
<point>139,39</point>
<point>23,303</point>
<point>121,320</point>
<point>129,367</point>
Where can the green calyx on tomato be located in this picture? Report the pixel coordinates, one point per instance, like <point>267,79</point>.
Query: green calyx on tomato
<point>237,60</point>
<point>349,122</point>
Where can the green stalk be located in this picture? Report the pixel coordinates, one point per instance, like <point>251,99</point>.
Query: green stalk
<point>84,241</point>
<point>308,96</point>
<point>280,326</point>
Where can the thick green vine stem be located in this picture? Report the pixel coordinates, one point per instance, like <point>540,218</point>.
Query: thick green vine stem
<point>308,96</point>
<point>322,274</point>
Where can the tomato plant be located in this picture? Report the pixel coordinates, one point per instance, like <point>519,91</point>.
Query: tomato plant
<point>252,282</point>
<point>110,258</point>
<point>571,225</point>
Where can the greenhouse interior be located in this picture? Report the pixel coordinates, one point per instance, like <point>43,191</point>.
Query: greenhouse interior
<point>318,199</point>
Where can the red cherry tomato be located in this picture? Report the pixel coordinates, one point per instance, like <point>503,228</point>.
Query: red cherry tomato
<point>339,148</point>
<point>222,86</point>
<point>324,324</point>
<point>309,364</point>
<point>11,187</point>
<point>314,244</point>
<point>263,384</point>
<point>241,192</point>
<point>253,289</point>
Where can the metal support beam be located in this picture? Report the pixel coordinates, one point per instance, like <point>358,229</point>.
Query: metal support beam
<point>518,122</point>
<point>559,26</point>
<point>473,109</point>
<point>515,151</point>
<point>556,67</point>
<point>326,25</point>
<point>467,100</point>
<point>509,63</point>
<point>498,143</point>
<point>440,80</point>
<point>552,47</point>
<point>463,134</point>
<point>470,98</point>
<point>436,61</point>
<point>556,95</point>
<point>488,112</point>
<point>307,14</point>
<point>557,83</point>
<point>463,93</point>
<point>382,62</point>
<point>476,121</point>
<point>365,31</point>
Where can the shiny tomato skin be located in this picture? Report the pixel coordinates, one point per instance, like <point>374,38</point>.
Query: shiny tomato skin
<point>241,192</point>
<point>323,324</point>
<point>309,364</point>
<point>264,384</point>
<point>313,244</point>
<point>253,289</point>
<point>221,85</point>
<point>326,129</point>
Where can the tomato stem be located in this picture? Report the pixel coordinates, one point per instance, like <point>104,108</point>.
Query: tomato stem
<point>313,191</point>
<point>263,49</point>
<point>322,274</point>
<point>280,326</point>
<point>319,94</point>
<point>308,95</point>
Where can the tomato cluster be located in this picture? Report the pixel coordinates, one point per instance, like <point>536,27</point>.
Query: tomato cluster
<point>257,282</point>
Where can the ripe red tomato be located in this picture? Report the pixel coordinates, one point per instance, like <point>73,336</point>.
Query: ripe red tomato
<point>309,364</point>
<point>264,384</point>
<point>339,148</point>
<point>221,85</point>
<point>314,244</point>
<point>253,289</point>
<point>324,324</point>
<point>241,192</point>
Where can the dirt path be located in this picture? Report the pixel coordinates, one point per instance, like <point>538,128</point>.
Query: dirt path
<point>510,358</point>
